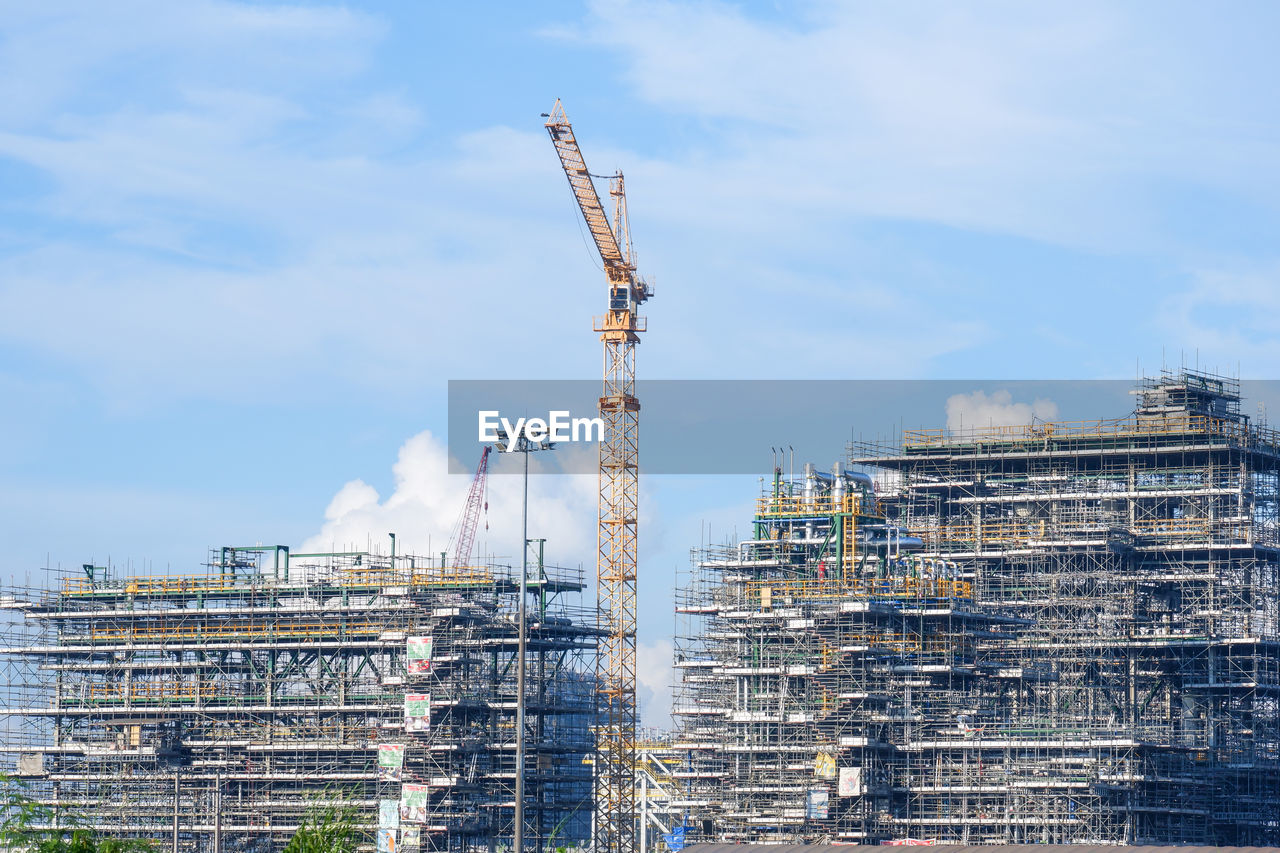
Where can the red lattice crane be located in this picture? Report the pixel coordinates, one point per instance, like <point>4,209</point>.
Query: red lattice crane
<point>464,532</point>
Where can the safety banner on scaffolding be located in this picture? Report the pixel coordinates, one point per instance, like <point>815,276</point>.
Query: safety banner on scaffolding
<point>418,655</point>
<point>850,784</point>
<point>824,765</point>
<point>388,814</point>
<point>390,761</point>
<point>387,841</point>
<point>417,712</point>
<point>410,838</point>
<point>413,803</point>
<point>815,804</point>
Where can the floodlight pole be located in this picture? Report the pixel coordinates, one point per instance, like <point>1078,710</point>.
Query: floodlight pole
<point>522,445</point>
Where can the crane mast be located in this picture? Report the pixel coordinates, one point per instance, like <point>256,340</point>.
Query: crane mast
<point>616,556</point>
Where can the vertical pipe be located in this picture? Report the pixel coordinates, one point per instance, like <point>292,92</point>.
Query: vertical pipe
<point>540,732</point>
<point>524,580</point>
<point>542,579</point>
<point>175,811</point>
<point>217,813</point>
<point>644,813</point>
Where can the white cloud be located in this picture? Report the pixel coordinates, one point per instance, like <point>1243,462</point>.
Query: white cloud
<point>370,297</point>
<point>427,500</point>
<point>292,229</point>
<point>1226,318</point>
<point>99,45</point>
<point>979,409</point>
<point>654,675</point>
<point>1051,121</point>
<point>354,497</point>
<point>226,234</point>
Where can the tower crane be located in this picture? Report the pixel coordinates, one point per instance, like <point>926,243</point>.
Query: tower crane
<point>619,329</point>
<point>464,531</point>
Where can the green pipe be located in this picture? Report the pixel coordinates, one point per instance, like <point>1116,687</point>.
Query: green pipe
<point>334,554</point>
<point>261,549</point>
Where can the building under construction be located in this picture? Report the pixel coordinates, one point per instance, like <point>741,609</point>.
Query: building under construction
<point>1059,633</point>
<point>214,710</point>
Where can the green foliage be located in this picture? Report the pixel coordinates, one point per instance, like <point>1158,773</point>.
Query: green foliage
<point>23,816</point>
<point>84,841</point>
<point>327,829</point>
<point>25,826</point>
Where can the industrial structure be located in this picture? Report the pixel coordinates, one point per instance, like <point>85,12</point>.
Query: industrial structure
<point>619,489</point>
<point>1053,633</point>
<point>212,710</point>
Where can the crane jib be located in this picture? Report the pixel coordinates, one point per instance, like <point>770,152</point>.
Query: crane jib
<point>584,191</point>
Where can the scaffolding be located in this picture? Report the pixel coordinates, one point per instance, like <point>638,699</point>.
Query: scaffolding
<point>1052,633</point>
<point>213,710</point>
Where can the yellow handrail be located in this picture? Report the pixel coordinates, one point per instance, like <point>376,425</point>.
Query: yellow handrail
<point>1176,425</point>
<point>160,585</point>
<point>892,587</point>
<point>778,505</point>
<point>233,631</point>
<point>151,690</point>
<point>1003,532</point>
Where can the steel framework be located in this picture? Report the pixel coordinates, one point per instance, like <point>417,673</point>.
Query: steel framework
<point>1057,633</point>
<point>212,710</point>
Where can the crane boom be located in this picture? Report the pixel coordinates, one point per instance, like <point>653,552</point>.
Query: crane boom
<point>465,531</point>
<point>619,490</point>
<point>584,191</point>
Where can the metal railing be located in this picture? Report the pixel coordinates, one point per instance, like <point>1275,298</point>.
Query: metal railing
<point>1199,425</point>
<point>1002,532</point>
<point>164,585</point>
<point>799,505</point>
<point>776,592</point>
<point>160,632</point>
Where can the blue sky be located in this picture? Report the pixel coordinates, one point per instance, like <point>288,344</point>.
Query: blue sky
<point>243,246</point>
